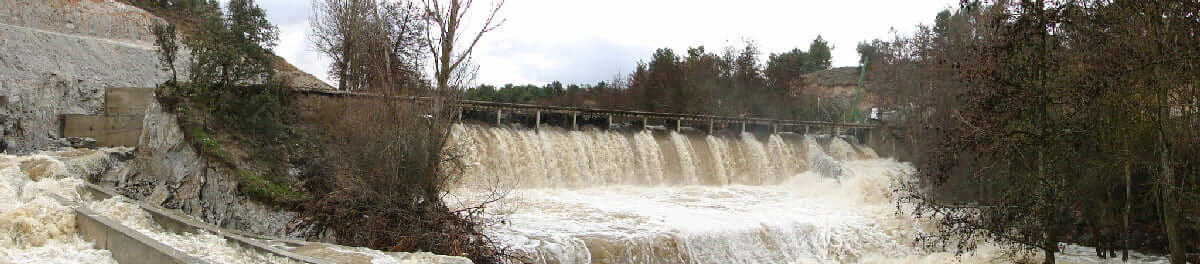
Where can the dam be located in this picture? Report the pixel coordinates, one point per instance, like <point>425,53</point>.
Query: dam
<point>563,195</point>
<point>659,196</point>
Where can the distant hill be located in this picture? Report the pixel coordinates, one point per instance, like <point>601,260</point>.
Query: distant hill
<point>840,76</point>
<point>837,86</point>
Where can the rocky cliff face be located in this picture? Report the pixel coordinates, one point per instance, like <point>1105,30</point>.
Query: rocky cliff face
<point>169,172</point>
<point>58,56</point>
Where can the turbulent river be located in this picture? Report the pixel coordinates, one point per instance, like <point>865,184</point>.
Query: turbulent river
<point>668,197</point>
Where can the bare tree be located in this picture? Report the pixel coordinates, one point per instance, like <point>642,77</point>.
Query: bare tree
<point>444,39</point>
<point>373,44</point>
<point>389,163</point>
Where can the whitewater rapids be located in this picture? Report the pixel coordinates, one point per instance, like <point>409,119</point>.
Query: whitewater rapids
<point>664,197</point>
<point>34,227</point>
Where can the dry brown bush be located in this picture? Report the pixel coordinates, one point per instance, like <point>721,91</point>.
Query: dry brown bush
<point>381,179</point>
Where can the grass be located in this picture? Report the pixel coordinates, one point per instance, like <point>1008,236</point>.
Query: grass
<point>209,146</point>
<point>262,188</point>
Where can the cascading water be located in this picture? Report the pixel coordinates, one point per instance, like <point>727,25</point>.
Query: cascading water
<point>35,228</point>
<point>666,197</point>
<point>553,158</point>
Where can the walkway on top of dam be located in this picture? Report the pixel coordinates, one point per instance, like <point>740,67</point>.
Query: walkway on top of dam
<point>576,112</point>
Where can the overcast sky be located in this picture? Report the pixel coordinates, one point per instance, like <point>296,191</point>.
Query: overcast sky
<point>588,41</point>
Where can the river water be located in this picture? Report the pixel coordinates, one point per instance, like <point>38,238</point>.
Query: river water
<point>666,197</point>
<point>34,228</point>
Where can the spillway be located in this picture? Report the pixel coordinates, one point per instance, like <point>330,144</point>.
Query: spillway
<point>597,196</point>
<point>553,158</point>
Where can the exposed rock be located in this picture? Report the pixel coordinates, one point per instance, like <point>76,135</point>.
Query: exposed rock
<point>170,173</point>
<point>97,18</point>
<point>57,57</point>
<point>82,142</point>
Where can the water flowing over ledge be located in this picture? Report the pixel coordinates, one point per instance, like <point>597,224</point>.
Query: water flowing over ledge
<point>598,196</point>
<point>554,158</point>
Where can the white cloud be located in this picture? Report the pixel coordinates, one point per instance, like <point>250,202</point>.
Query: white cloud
<point>588,41</point>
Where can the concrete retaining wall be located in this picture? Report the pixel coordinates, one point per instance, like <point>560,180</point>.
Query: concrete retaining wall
<point>127,101</point>
<point>107,130</point>
<point>119,125</point>
<point>127,245</point>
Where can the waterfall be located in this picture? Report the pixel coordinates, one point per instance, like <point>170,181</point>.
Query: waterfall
<point>687,164</point>
<point>719,152</point>
<point>555,158</point>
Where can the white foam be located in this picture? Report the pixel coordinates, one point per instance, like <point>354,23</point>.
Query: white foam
<point>35,228</point>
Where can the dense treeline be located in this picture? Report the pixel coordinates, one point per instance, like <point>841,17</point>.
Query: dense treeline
<point>1046,122</point>
<point>733,82</point>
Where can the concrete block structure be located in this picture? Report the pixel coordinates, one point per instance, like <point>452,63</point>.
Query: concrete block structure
<point>127,101</point>
<point>120,124</point>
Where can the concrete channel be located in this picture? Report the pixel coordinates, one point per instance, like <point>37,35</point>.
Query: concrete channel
<point>173,222</point>
<point>129,246</point>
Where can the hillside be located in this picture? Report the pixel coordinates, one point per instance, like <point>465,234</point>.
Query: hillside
<point>840,76</point>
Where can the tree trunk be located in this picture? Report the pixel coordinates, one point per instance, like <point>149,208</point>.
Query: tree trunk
<point>1128,208</point>
<point>1170,205</point>
<point>1051,246</point>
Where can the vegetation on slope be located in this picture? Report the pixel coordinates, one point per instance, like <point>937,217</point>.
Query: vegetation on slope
<point>232,108</point>
<point>389,165</point>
